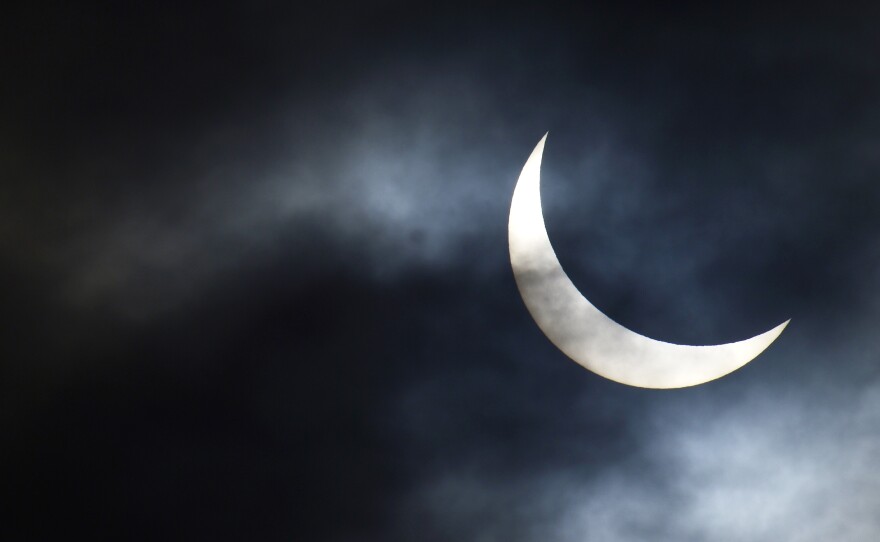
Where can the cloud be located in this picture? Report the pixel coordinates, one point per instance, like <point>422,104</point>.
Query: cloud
<point>793,465</point>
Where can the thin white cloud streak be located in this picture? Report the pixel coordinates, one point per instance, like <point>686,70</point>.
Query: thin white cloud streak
<point>397,187</point>
<point>395,175</point>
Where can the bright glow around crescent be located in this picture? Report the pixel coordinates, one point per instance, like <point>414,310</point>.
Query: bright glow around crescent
<point>586,335</point>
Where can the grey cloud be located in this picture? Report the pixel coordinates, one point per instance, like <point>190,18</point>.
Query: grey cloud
<point>789,467</point>
<point>765,468</point>
<point>394,191</point>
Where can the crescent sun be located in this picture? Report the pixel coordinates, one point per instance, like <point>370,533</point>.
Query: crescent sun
<point>583,332</point>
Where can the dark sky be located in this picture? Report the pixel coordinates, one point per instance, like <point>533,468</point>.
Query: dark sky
<point>256,284</point>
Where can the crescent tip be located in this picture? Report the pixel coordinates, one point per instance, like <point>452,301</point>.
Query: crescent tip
<point>777,331</point>
<point>541,143</point>
<point>538,153</point>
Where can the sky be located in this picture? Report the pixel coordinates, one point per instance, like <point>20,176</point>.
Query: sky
<point>256,283</point>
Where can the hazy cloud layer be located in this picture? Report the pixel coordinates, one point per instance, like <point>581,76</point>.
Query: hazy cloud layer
<point>258,287</point>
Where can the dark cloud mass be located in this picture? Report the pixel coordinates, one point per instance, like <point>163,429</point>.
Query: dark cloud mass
<point>256,282</point>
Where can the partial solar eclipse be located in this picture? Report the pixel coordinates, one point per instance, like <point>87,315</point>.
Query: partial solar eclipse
<point>584,333</point>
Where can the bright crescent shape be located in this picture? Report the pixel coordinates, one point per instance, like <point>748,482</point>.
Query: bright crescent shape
<point>586,335</point>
